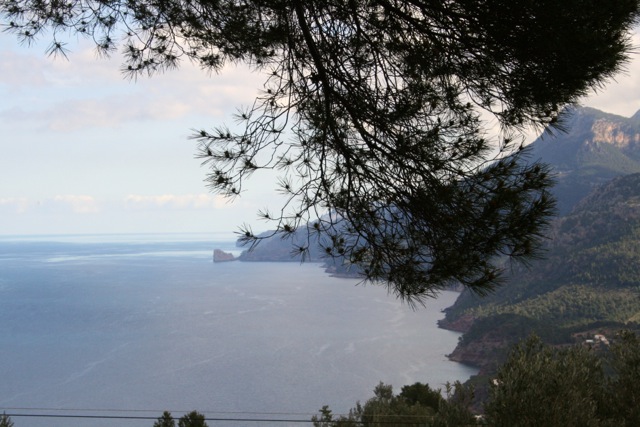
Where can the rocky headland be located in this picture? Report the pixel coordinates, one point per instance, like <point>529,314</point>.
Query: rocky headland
<point>222,256</point>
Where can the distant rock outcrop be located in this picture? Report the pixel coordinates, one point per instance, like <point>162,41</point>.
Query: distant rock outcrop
<point>222,256</point>
<point>273,248</point>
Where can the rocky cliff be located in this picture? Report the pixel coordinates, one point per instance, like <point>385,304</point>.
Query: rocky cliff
<point>595,148</point>
<point>222,256</point>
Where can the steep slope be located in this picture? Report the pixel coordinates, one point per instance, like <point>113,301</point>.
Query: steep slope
<point>591,275</point>
<point>587,287</point>
<point>276,249</point>
<point>593,241</point>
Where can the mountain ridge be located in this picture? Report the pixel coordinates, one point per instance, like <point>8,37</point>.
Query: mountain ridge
<point>595,148</point>
<point>588,285</point>
<point>589,282</point>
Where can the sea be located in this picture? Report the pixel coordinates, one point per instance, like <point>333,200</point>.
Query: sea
<point>112,330</point>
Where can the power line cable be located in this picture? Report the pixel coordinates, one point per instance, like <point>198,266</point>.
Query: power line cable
<point>140,417</point>
<point>410,419</point>
<point>155,411</point>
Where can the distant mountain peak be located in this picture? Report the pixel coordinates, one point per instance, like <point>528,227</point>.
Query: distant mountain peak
<point>584,127</point>
<point>596,147</point>
<point>579,113</point>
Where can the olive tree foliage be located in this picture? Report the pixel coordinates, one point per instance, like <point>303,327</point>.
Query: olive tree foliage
<point>575,386</point>
<point>625,384</point>
<point>541,386</point>
<point>371,112</point>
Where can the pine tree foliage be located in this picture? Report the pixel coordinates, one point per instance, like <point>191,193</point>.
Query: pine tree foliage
<point>538,386</point>
<point>371,113</point>
<point>5,420</point>
<point>166,420</point>
<point>192,419</point>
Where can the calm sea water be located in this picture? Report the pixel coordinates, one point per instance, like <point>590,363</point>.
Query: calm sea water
<point>134,325</point>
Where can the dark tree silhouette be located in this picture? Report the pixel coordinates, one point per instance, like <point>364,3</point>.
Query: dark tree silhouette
<point>166,420</point>
<point>192,419</point>
<point>371,111</point>
<point>5,420</point>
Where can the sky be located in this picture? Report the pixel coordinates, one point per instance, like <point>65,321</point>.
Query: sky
<point>83,150</point>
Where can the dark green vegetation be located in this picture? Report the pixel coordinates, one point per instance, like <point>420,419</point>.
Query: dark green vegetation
<point>577,386</point>
<point>192,419</point>
<point>538,385</point>
<point>416,405</point>
<point>5,420</point>
<point>371,110</point>
<point>589,281</point>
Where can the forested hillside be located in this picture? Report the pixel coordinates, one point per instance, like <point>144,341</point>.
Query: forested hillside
<point>588,282</point>
<point>591,267</point>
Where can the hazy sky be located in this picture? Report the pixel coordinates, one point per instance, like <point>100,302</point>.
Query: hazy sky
<point>83,150</point>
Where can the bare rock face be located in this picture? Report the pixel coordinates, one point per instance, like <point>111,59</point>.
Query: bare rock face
<point>459,324</point>
<point>480,353</point>
<point>222,256</point>
<point>609,132</point>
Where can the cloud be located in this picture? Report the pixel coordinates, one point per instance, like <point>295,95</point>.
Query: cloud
<point>84,204</point>
<point>15,204</point>
<point>105,113</point>
<point>87,92</point>
<point>175,202</point>
<point>20,70</point>
<point>621,94</point>
<point>78,204</point>
<point>164,100</point>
